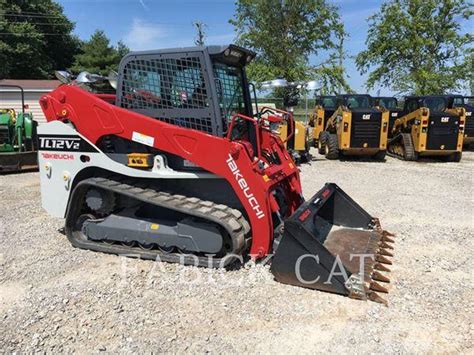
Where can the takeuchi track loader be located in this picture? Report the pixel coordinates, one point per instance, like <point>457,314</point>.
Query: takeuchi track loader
<point>430,126</point>
<point>356,128</point>
<point>324,109</point>
<point>176,168</point>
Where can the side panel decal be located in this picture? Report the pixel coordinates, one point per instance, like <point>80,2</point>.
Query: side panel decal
<point>64,143</point>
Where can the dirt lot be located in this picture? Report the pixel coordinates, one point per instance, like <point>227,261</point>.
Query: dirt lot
<point>56,298</point>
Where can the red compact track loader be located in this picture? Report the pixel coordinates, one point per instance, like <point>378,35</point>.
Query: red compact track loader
<point>176,167</point>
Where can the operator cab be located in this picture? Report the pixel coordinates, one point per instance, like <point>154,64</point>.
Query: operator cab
<point>355,101</point>
<point>464,101</point>
<point>198,87</point>
<point>327,102</point>
<point>390,103</point>
<point>436,104</point>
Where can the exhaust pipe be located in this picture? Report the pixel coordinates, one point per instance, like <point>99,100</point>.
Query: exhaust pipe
<point>332,244</point>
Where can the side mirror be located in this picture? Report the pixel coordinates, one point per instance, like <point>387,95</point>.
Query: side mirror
<point>63,76</point>
<point>85,78</point>
<point>113,79</point>
<point>277,83</point>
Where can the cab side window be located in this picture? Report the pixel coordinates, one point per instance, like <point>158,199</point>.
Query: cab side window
<point>410,106</point>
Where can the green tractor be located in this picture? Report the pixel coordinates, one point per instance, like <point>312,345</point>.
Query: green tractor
<point>18,141</point>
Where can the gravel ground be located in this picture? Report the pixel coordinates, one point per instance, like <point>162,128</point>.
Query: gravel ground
<point>57,298</point>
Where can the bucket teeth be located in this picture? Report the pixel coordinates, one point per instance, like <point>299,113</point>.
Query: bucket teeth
<point>382,259</point>
<point>375,297</point>
<point>387,239</point>
<point>374,286</point>
<point>377,276</point>
<point>383,251</point>
<point>386,233</point>
<point>381,267</point>
<point>385,245</point>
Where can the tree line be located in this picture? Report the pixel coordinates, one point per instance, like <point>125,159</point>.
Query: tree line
<point>37,38</point>
<point>412,46</point>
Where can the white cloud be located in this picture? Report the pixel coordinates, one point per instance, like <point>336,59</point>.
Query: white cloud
<point>144,35</point>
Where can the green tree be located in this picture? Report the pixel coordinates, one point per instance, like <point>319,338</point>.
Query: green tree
<point>418,47</point>
<point>98,56</point>
<point>35,39</point>
<point>285,34</point>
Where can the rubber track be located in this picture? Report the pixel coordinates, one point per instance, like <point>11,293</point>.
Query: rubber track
<point>407,146</point>
<point>230,219</point>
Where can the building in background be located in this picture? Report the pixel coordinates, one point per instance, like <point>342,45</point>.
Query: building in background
<point>34,89</point>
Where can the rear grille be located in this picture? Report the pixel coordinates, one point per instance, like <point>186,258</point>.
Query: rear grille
<point>442,132</point>
<point>4,135</point>
<point>365,133</point>
<point>366,130</point>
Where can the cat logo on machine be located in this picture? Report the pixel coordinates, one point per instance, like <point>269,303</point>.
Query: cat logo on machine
<point>366,116</point>
<point>444,119</point>
<point>60,143</point>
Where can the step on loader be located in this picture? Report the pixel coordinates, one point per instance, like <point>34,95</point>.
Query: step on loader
<point>175,167</point>
<point>295,134</point>
<point>18,143</point>
<point>356,128</point>
<point>466,102</point>
<point>324,109</point>
<point>390,104</point>
<point>429,126</point>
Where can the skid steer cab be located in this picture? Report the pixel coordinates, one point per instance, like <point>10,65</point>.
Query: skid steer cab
<point>429,126</point>
<point>356,128</point>
<point>176,167</point>
<point>466,102</point>
<point>390,104</point>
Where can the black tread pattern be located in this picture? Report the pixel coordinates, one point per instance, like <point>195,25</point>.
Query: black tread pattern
<point>322,139</point>
<point>331,143</point>
<point>232,220</point>
<point>403,141</point>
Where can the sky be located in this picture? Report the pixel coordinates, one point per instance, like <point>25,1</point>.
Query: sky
<point>153,24</point>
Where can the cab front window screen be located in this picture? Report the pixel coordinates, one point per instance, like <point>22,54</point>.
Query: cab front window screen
<point>435,104</point>
<point>358,102</point>
<point>389,104</point>
<point>328,102</point>
<point>166,83</point>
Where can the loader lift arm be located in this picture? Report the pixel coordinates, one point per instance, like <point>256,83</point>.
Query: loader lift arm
<point>96,118</point>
